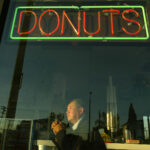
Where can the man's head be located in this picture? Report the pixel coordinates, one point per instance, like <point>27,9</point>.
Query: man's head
<point>75,110</point>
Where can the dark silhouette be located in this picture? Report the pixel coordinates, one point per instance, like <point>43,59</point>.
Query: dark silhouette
<point>101,121</point>
<point>132,121</point>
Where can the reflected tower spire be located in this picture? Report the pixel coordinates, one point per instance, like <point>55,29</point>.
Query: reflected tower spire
<point>111,108</point>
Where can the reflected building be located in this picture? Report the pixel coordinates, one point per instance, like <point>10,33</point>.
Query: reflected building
<point>111,108</point>
<point>138,130</point>
<point>16,134</point>
<point>146,123</point>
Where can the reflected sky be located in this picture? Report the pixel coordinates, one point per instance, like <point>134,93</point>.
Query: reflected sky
<point>7,62</point>
<point>53,75</point>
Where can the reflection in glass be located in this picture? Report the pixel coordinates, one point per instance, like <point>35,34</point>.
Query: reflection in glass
<point>146,127</point>
<point>111,108</point>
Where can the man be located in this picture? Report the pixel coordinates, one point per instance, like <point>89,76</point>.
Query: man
<point>76,116</point>
<point>75,137</point>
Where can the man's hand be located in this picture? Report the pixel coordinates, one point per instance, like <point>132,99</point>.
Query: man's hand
<point>57,126</point>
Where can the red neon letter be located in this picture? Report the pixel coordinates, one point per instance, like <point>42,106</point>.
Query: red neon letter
<point>137,14</point>
<point>74,29</point>
<point>112,12</point>
<point>84,22</point>
<point>19,26</point>
<point>48,34</point>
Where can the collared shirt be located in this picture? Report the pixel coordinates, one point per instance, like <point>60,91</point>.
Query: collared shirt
<point>75,126</point>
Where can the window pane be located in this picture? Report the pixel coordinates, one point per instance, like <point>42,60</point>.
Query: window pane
<point>88,86</point>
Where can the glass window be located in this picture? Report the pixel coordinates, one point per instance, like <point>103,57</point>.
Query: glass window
<point>88,85</point>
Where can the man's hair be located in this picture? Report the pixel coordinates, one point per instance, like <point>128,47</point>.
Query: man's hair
<point>79,102</point>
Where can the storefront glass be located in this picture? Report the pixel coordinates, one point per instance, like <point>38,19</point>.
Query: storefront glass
<point>39,77</point>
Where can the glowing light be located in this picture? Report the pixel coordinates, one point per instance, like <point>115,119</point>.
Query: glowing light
<point>84,24</point>
<point>123,16</point>
<point>74,29</point>
<point>48,34</point>
<point>112,12</point>
<point>140,34</point>
<point>20,20</point>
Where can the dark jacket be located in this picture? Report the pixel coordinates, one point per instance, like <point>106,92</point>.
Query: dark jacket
<point>75,140</point>
<point>82,129</point>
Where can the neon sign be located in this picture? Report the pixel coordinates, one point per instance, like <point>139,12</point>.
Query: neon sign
<point>80,23</point>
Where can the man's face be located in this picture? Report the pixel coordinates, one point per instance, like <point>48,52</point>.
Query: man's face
<point>73,112</point>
